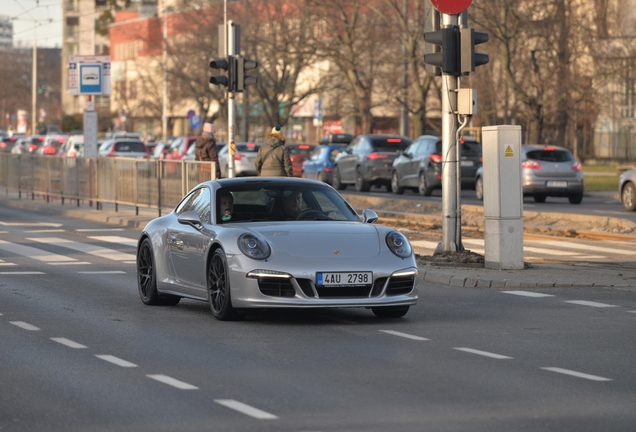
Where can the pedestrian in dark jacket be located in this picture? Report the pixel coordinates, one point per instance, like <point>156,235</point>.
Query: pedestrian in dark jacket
<point>273,157</point>
<point>205,149</point>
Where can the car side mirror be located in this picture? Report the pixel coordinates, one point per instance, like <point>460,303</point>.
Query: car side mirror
<point>190,218</point>
<point>369,216</point>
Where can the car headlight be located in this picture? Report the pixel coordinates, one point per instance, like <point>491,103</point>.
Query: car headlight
<point>399,245</point>
<point>253,246</point>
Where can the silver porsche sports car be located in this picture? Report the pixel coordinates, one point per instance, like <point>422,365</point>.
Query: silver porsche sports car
<point>270,243</point>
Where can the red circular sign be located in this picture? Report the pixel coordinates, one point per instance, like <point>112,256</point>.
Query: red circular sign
<point>451,7</point>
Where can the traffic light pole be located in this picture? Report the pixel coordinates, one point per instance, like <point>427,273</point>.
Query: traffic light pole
<point>231,52</point>
<point>449,151</point>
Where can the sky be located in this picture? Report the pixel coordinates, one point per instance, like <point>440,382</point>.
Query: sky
<point>42,18</point>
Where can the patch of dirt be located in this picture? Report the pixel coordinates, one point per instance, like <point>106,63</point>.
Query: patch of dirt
<point>465,258</point>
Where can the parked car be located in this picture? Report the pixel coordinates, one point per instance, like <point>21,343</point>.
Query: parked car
<point>420,165</point>
<point>123,147</point>
<point>368,161</point>
<point>545,171</point>
<point>627,189</point>
<point>7,143</point>
<point>298,153</point>
<point>27,145</point>
<point>179,147</point>
<point>74,146</point>
<point>253,257</point>
<point>51,145</point>
<point>244,159</point>
<point>319,165</point>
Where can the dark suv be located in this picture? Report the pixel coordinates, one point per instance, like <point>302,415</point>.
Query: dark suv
<point>420,165</point>
<point>367,161</point>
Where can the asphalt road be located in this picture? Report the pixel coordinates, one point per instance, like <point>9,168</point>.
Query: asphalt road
<point>594,203</point>
<point>80,352</point>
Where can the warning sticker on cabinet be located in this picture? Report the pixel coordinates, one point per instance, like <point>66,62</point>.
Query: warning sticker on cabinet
<point>509,152</point>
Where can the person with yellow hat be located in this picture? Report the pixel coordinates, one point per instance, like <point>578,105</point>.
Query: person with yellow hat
<point>273,157</point>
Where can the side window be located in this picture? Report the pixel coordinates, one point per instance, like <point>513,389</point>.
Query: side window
<point>315,153</point>
<point>198,201</point>
<point>413,149</point>
<point>352,145</point>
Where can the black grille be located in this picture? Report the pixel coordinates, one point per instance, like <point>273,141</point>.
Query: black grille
<point>276,287</point>
<point>305,285</point>
<point>400,285</point>
<point>327,292</point>
<point>377,286</point>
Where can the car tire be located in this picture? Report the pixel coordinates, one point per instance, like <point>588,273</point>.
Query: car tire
<point>576,199</point>
<point>390,311</point>
<point>628,196</point>
<point>422,186</point>
<point>219,293</point>
<point>147,278</point>
<point>337,181</point>
<point>395,185</point>
<point>540,198</point>
<point>361,184</point>
<point>479,188</point>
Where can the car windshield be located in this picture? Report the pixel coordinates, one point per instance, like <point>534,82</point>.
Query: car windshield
<point>281,201</point>
<point>389,144</point>
<point>550,155</point>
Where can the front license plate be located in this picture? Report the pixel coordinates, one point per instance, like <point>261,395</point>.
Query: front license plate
<point>344,279</point>
<point>556,184</point>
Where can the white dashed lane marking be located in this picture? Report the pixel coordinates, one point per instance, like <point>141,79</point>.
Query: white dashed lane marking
<point>69,343</point>
<point>575,374</point>
<point>98,229</point>
<point>484,353</point>
<point>246,409</point>
<point>86,248</point>
<point>31,252</point>
<point>116,360</point>
<point>173,382</point>
<point>45,231</point>
<point>528,293</point>
<point>404,335</point>
<point>25,326</point>
<point>103,272</point>
<point>116,239</point>
<point>590,303</point>
<point>21,273</point>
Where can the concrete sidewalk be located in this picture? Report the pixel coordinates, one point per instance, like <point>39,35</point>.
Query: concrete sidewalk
<point>462,275</point>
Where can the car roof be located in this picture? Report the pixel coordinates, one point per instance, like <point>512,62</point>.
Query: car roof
<point>266,181</point>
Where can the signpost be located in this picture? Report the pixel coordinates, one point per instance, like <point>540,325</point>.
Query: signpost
<point>90,76</point>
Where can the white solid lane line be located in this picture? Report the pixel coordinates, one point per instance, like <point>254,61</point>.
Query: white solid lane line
<point>22,273</point>
<point>103,272</point>
<point>576,374</point>
<point>173,382</point>
<point>116,239</point>
<point>590,303</point>
<point>98,229</point>
<point>528,293</point>
<point>404,335</point>
<point>25,326</point>
<point>34,253</point>
<point>69,343</point>
<point>245,409</point>
<point>484,353</point>
<point>86,248</point>
<point>116,360</point>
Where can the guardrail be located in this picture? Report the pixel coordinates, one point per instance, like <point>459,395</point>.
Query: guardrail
<point>148,183</point>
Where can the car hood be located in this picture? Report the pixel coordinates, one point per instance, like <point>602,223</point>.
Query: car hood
<point>318,239</point>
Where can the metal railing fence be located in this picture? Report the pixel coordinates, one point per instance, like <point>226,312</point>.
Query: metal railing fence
<point>139,183</point>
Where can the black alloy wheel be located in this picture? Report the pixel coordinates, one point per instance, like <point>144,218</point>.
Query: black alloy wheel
<point>361,184</point>
<point>628,196</point>
<point>479,188</point>
<point>576,198</point>
<point>422,186</point>
<point>147,278</point>
<point>219,289</point>
<point>395,184</point>
<point>337,180</point>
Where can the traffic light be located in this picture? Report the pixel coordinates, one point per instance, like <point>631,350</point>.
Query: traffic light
<point>242,79</point>
<point>469,58</point>
<point>446,56</point>
<point>225,65</point>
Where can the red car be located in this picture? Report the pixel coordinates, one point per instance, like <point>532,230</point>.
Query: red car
<point>298,153</point>
<point>179,147</point>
